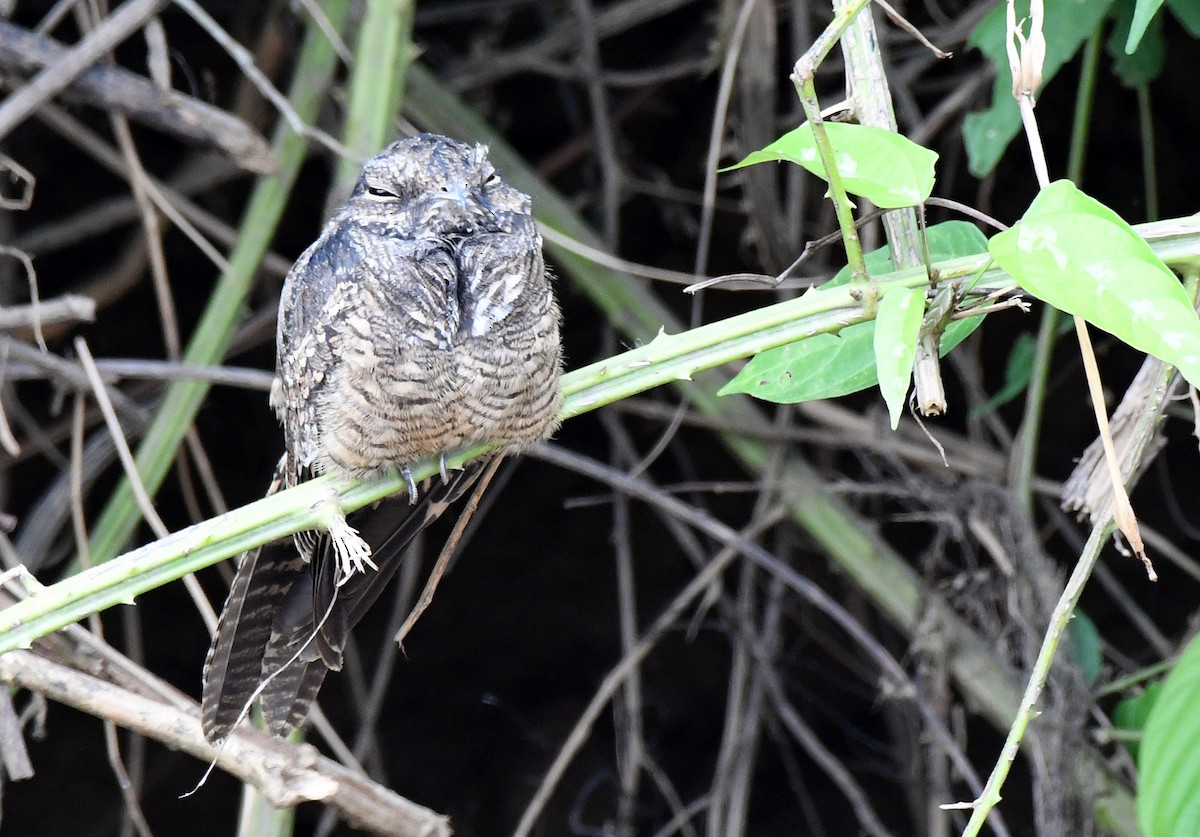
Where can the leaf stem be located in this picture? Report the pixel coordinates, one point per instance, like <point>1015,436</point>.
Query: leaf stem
<point>802,79</point>
<point>842,206</point>
<point>1085,96</point>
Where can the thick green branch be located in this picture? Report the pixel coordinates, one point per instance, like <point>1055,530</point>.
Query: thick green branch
<point>666,359</point>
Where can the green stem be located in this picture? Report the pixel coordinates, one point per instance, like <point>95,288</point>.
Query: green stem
<point>1085,96</point>
<point>825,42</point>
<point>1059,620</point>
<point>802,79</point>
<point>837,192</point>
<point>667,359</point>
<point>1135,678</point>
<point>1025,446</point>
<point>1149,171</point>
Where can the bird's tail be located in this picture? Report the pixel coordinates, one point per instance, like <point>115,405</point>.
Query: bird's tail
<point>285,623</point>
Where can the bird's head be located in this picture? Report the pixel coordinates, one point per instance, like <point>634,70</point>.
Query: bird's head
<point>434,186</point>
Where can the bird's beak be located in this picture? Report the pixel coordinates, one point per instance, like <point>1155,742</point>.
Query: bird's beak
<point>461,196</point>
<point>471,206</point>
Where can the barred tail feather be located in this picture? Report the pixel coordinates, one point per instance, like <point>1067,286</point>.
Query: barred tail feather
<point>233,670</point>
<point>286,622</point>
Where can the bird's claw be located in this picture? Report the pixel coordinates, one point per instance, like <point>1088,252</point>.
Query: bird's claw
<point>352,553</point>
<point>412,485</point>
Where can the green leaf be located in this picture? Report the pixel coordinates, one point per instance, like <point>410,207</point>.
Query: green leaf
<point>1085,643</point>
<point>1132,713</point>
<point>1145,64</point>
<point>1067,25</point>
<point>1187,12</point>
<point>1168,796</point>
<point>832,365</point>
<point>1076,254</point>
<point>1016,374</point>
<point>825,365</point>
<point>897,327</point>
<point>882,166</point>
<point>1143,13</point>
<point>822,366</point>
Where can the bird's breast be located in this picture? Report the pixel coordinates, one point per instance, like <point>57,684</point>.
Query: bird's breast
<point>438,348</point>
<point>383,412</point>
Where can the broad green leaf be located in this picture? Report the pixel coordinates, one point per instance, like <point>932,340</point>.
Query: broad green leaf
<point>1016,374</point>
<point>821,366</point>
<point>1132,713</point>
<point>1076,254</point>
<point>1168,795</point>
<point>882,166</point>
<point>897,327</point>
<point>1187,12</point>
<point>825,365</point>
<point>986,134</point>
<point>1143,12</point>
<point>832,365</point>
<point>1144,64</point>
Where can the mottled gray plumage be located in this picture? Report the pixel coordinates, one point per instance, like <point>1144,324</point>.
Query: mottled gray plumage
<point>420,322</point>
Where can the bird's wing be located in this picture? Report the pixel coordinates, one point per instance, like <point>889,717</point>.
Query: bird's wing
<point>355,303</point>
<point>314,292</point>
<point>285,624</point>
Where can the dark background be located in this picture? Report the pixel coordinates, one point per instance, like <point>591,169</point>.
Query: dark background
<point>525,625</point>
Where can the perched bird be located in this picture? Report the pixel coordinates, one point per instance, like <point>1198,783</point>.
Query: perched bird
<point>420,322</point>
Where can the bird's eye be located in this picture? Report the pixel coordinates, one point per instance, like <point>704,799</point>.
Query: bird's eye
<point>377,192</point>
<point>494,180</point>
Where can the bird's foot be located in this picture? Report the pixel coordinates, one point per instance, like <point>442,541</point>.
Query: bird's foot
<point>353,554</point>
<point>412,485</point>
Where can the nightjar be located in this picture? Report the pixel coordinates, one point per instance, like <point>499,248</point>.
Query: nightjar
<point>420,322</point>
